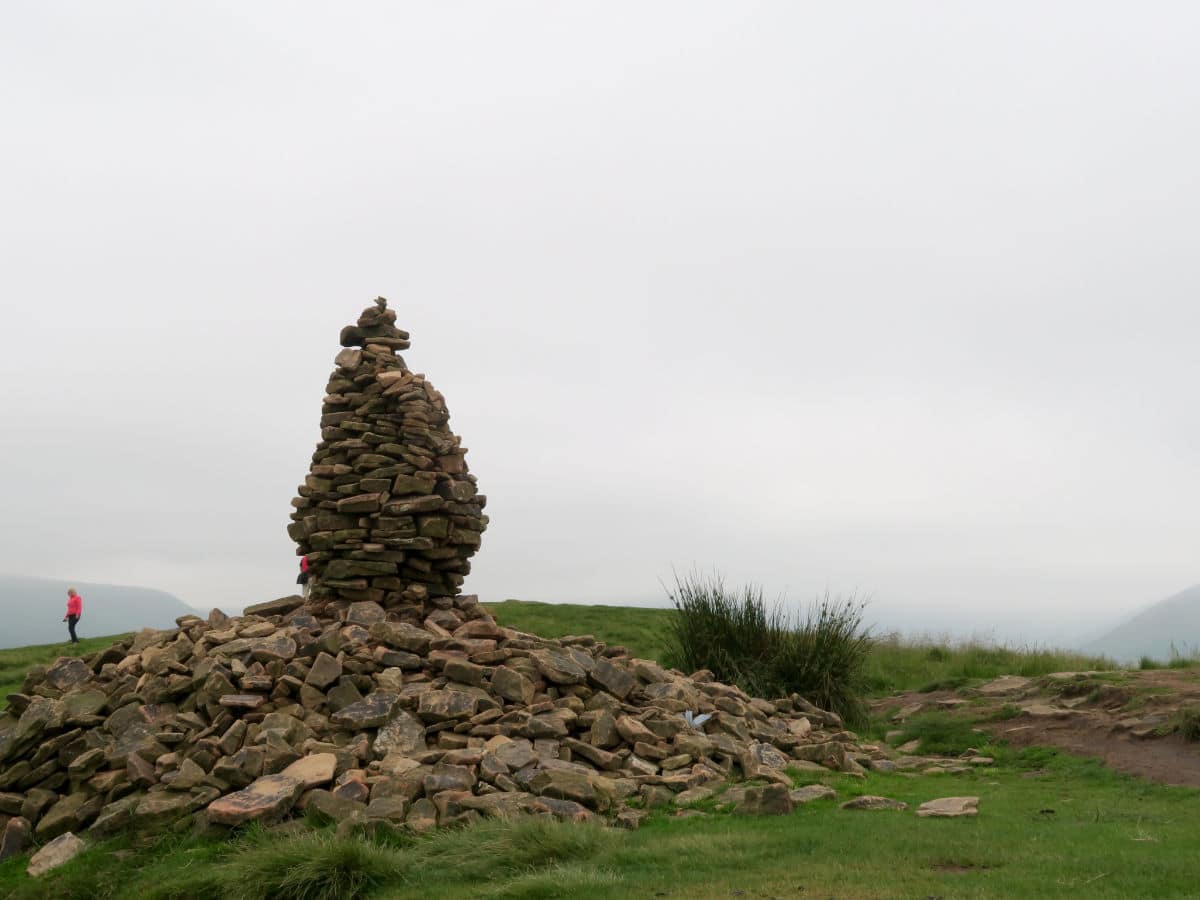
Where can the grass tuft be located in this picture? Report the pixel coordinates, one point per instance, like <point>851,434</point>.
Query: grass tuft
<point>766,651</point>
<point>313,866</point>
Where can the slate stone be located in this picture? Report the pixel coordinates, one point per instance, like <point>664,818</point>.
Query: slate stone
<point>61,850</point>
<point>372,711</point>
<point>267,800</point>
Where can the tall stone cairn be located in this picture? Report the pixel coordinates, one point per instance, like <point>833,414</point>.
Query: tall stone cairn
<point>388,513</point>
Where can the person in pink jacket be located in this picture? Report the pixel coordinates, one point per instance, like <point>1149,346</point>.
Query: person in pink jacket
<point>74,612</point>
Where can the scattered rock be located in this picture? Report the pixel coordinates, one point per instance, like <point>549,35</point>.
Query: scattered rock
<point>949,807</point>
<point>61,850</point>
<point>811,792</point>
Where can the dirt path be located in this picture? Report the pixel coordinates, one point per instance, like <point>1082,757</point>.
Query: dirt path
<point>1115,717</point>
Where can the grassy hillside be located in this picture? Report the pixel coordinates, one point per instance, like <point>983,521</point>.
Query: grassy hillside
<point>643,631</point>
<point>895,664</point>
<point>1048,824</point>
<point>14,663</point>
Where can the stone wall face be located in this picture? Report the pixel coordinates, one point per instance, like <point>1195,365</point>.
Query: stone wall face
<point>388,512</point>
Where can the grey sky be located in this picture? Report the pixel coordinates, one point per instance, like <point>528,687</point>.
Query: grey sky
<point>890,297</point>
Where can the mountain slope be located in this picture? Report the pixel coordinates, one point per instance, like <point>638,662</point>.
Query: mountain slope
<point>1169,626</point>
<point>31,609</point>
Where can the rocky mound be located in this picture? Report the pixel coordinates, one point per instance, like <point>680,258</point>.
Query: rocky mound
<point>388,697</point>
<point>366,719</point>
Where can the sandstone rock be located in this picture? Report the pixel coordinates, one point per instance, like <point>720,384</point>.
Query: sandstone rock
<point>161,808</point>
<point>61,850</point>
<point>67,672</point>
<point>811,792</point>
<point>313,770</point>
<point>445,706</point>
<point>68,814</point>
<point>16,838</point>
<point>324,671</point>
<point>278,607</point>
<point>370,712</point>
<point>403,735</point>
<point>770,800</point>
<point>266,800</point>
<point>512,685</point>
<point>949,807</point>
<point>1005,684</point>
<point>559,666</point>
<point>613,678</point>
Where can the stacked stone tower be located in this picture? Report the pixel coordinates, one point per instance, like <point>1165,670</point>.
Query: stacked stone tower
<point>388,512</point>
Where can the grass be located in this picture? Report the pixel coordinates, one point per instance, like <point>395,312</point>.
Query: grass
<point>1185,723</point>
<point>905,664</point>
<point>768,651</point>
<point>895,663</point>
<point>644,631</point>
<point>15,662</point>
<point>1049,825</point>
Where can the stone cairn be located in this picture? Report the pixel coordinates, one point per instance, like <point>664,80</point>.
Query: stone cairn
<point>388,512</point>
<point>389,698</point>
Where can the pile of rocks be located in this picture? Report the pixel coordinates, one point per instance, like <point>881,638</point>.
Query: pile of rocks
<point>388,697</point>
<point>367,718</point>
<point>388,512</point>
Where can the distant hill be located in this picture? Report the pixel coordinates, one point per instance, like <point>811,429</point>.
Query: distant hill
<point>31,609</point>
<point>1169,624</point>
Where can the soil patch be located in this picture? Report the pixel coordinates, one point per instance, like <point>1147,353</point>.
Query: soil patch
<point>1090,717</point>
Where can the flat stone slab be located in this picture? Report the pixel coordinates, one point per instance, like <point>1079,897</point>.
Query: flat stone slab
<point>370,712</point>
<point>62,849</point>
<point>949,807</point>
<point>314,769</point>
<point>1005,684</point>
<point>870,801</point>
<point>1045,711</point>
<point>275,607</point>
<point>267,800</point>
<point>811,792</point>
<point>242,701</point>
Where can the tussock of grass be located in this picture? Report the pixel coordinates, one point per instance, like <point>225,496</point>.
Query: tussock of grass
<point>514,845</point>
<point>768,652</point>
<point>313,866</point>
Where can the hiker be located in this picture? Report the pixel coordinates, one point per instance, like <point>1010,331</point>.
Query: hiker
<point>302,578</point>
<point>74,612</point>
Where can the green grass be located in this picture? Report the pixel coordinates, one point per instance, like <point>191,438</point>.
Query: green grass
<point>16,662</point>
<point>902,664</point>
<point>1049,825</point>
<point>894,664</point>
<point>644,631</point>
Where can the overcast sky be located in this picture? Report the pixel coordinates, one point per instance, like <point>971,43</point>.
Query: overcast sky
<point>895,298</point>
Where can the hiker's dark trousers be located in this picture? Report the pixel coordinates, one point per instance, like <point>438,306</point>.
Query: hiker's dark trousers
<point>71,620</point>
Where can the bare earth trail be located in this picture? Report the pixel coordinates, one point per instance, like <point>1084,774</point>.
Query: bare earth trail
<point>1113,716</point>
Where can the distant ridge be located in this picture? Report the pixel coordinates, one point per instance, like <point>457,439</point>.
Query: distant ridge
<point>1169,625</point>
<point>31,609</point>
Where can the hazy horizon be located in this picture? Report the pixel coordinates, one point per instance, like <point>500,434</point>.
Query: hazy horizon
<point>888,299</point>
